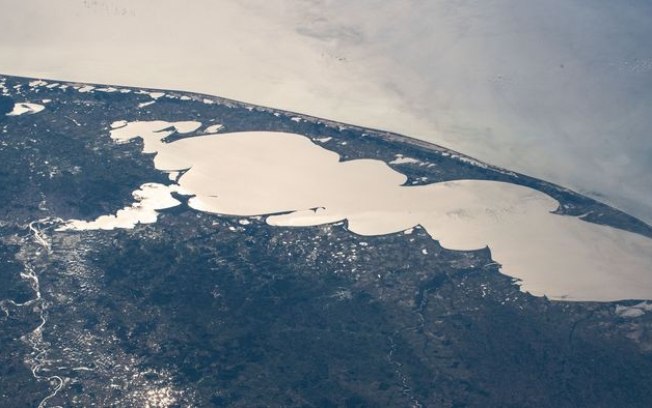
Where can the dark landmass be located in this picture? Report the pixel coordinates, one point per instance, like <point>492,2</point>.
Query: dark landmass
<point>202,310</point>
<point>6,106</point>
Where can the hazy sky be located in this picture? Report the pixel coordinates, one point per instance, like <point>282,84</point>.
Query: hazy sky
<point>558,89</point>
